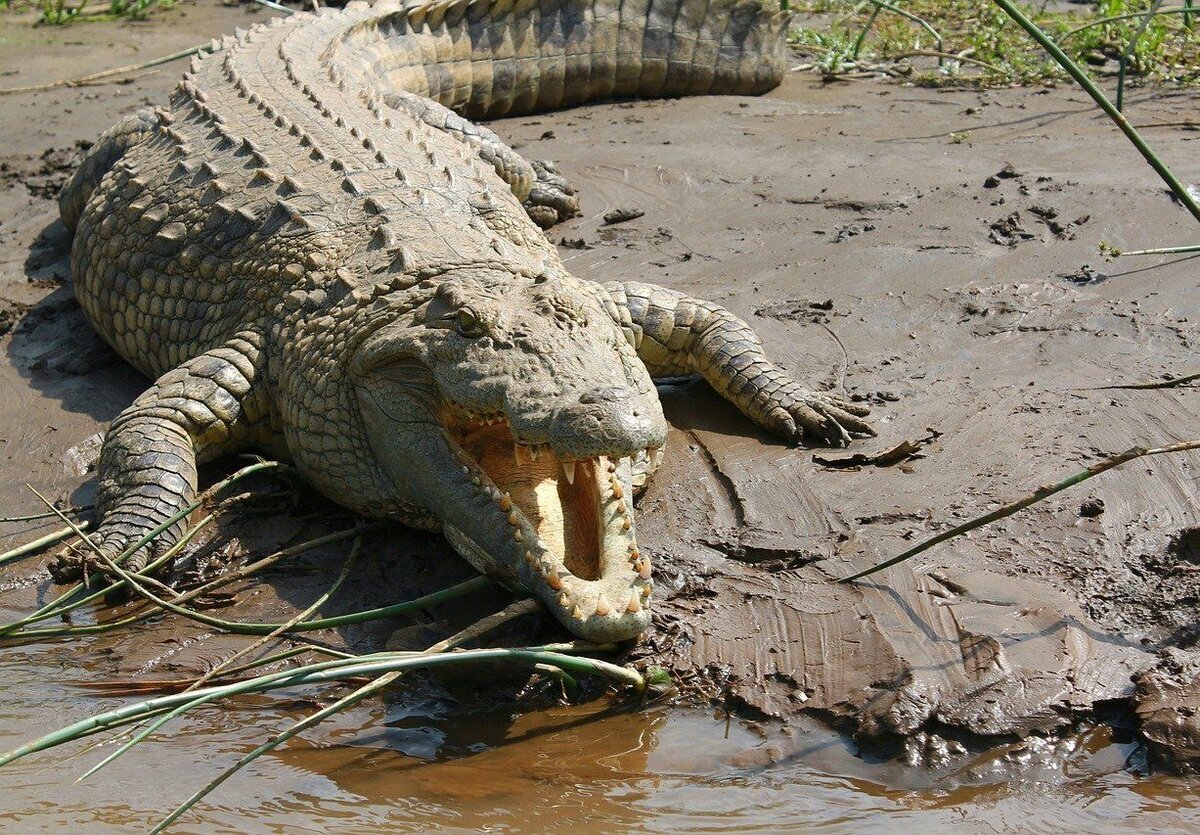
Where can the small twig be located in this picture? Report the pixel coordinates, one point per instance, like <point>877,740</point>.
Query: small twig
<point>1186,123</point>
<point>275,6</point>
<point>485,625</point>
<point>33,517</point>
<point>1037,496</point>
<point>97,76</point>
<point>954,56</point>
<point>1162,384</point>
<point>924,24</point>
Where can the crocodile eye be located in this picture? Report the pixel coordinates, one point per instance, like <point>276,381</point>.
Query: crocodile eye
<point>468,324</point>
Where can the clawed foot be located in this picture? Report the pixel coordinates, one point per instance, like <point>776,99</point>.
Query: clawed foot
<point>552,199</point>
<point>798,413</point>
<point>72,563</point>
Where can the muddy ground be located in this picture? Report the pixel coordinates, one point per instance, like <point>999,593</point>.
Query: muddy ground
<point>932,252</point>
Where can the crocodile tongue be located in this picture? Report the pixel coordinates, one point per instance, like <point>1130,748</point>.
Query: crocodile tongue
<point>571,529</point>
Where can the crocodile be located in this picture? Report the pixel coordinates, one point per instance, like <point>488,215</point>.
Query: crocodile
<point>315,252</point>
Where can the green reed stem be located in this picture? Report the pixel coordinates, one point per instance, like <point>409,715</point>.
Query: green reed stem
<point>1185,10</point>
<point>37,545</point>
<point>322,673</point>
<point>341,704</point>
<point>1123,65</point>
<point>1165,250</point>
<point>1035,497</point>
<point>1177,188</point>
<point>862,36</point>
<point>33,517</point>
<point>225,579</point>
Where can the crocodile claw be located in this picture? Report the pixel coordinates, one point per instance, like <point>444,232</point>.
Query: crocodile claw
<point>552,199</point>
<point>800,413</point>
<point>71,564</point>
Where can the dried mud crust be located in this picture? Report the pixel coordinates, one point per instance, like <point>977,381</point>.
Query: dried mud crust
<point>814,213</point>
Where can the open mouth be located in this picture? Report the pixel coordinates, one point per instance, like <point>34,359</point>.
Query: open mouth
<point>579,511</point>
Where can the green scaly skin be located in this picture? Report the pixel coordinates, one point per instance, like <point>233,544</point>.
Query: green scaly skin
<point>315,252</point>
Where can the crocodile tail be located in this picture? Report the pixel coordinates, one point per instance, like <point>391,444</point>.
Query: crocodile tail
<point>491,58</point>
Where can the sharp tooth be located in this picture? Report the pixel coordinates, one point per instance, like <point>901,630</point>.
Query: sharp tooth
<point>656,454</point>
<point>534,452</point>
<point>602,462</point>
<point>506,502</point>
<point>577,613</point>
<point>646,589</point>
<point>644,568</point>
<point>617,491</point>
<point>564,600</point>
<point>529,558</point>
<point>634,606</point>
<point>568,468</point>
<point>634,553</point>
<point>625,523</point>
<point>517,535</point>
<point>512,518</point>
<point>554,581</point>
<point>602,607</point>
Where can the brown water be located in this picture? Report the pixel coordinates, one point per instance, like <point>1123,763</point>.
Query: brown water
<point>985,342</point>
<point>404,765</point>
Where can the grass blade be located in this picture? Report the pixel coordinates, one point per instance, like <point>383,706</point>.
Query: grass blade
<point>341,704</point>
<point>323,673</point>
<point>37,545</point>
<point>1035,32</point>
<point>1033,498</point>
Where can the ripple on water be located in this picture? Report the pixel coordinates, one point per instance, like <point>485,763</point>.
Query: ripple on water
<point>411,766</point>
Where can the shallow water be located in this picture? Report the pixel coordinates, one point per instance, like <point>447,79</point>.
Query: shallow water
<point>408,764</point>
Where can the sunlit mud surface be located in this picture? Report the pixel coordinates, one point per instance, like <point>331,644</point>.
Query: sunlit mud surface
<point>870,250</point>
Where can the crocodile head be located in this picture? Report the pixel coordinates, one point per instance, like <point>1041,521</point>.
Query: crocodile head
<point>516,413</point>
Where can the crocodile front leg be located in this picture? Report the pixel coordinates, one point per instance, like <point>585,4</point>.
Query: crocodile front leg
<point>206,408</point>
<point>676,335</point>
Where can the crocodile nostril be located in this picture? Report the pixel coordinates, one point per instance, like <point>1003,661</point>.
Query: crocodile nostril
<point>605,395</point>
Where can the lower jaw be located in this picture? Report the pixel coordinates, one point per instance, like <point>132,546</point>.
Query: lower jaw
<point>611,607</point>
<point>605,610</point>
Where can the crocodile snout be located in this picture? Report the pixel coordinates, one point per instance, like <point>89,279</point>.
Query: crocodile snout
<point>608,421</point>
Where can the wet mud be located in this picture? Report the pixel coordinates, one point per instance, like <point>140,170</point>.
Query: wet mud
<point>956,287</point>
